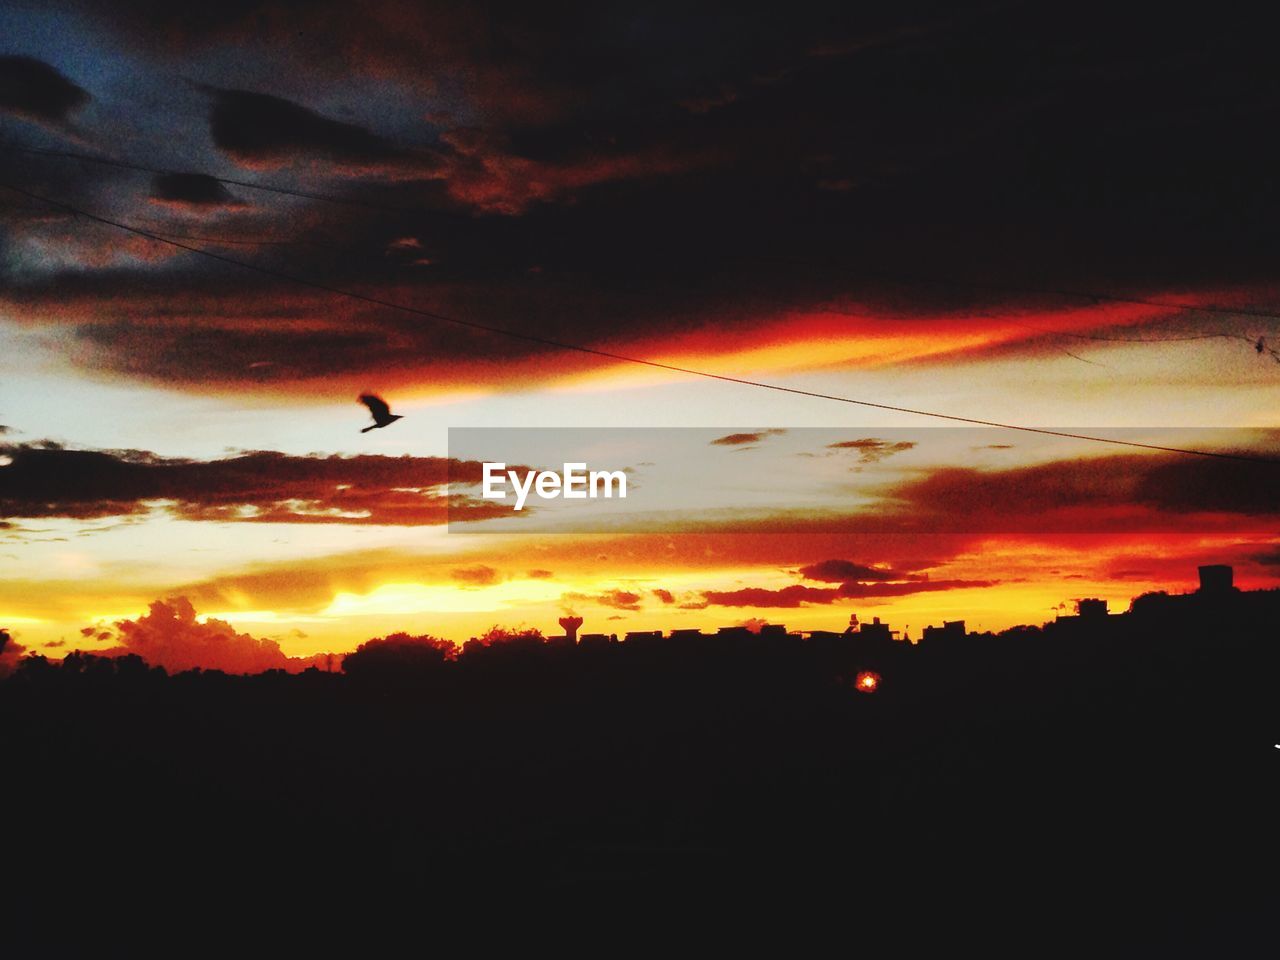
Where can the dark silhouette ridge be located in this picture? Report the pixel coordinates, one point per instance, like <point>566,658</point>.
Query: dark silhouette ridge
<point>1103,775</point>
<point>382,415</point>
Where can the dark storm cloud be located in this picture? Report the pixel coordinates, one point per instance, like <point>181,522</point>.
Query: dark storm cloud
<point>793,596</point>
<point>258,129</point>
<point>252,487</point>
<point>1099,494</point>
<point>1190,485</point>
<point>899,97</point>
<point>857,590</point>
<point>798,595</point>
<point>223,349</point>
<point>840,571</point>
<point>36,91</point>
<point>556,163</point>
<point>190,325</point>
<point>192,189</point>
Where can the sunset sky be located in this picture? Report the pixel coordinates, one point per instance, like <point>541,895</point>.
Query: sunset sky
<point>985,210</point>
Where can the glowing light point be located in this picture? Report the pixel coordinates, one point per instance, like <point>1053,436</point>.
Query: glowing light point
<point>867,682</point>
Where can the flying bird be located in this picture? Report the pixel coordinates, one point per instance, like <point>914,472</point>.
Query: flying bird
<point>382,415</point>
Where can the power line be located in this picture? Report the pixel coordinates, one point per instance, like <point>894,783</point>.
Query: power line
<point>142,168</point>
<point>245,242</point>
<point>1258,342</point>
<point>301,241</point>
<point>1251,339</point>
<point>609,355</point>
<point>251,241</point>
<point>1095,296</point>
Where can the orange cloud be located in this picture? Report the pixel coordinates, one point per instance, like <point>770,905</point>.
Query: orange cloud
<point>170,636</point>
<point>10,652</point>
<point>477,576</point>
<point>798,595</point>
<point>483,173</point>
<point>259,487</point>
<point>191,327</point>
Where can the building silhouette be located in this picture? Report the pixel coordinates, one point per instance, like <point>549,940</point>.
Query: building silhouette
<point>1216,579</point>
<point>1216,596</point>
<point>687,634</point>
<point>950,630</point>
<point>875,630</point>
<point>1091,608</point>
<point>640,636</point>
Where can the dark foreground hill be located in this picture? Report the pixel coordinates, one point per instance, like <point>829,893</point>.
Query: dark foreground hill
<point>1112,780</point>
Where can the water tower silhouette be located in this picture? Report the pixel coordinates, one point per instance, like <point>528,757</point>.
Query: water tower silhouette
<point>570,626</point>
<point>1216,578</point>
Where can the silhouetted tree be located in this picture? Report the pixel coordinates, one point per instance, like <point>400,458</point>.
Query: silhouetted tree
<point>508,637</point>
<point>34,665</point>
<point>396,653</point>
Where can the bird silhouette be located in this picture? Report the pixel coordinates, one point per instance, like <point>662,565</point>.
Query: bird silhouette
<point>382,415</point>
